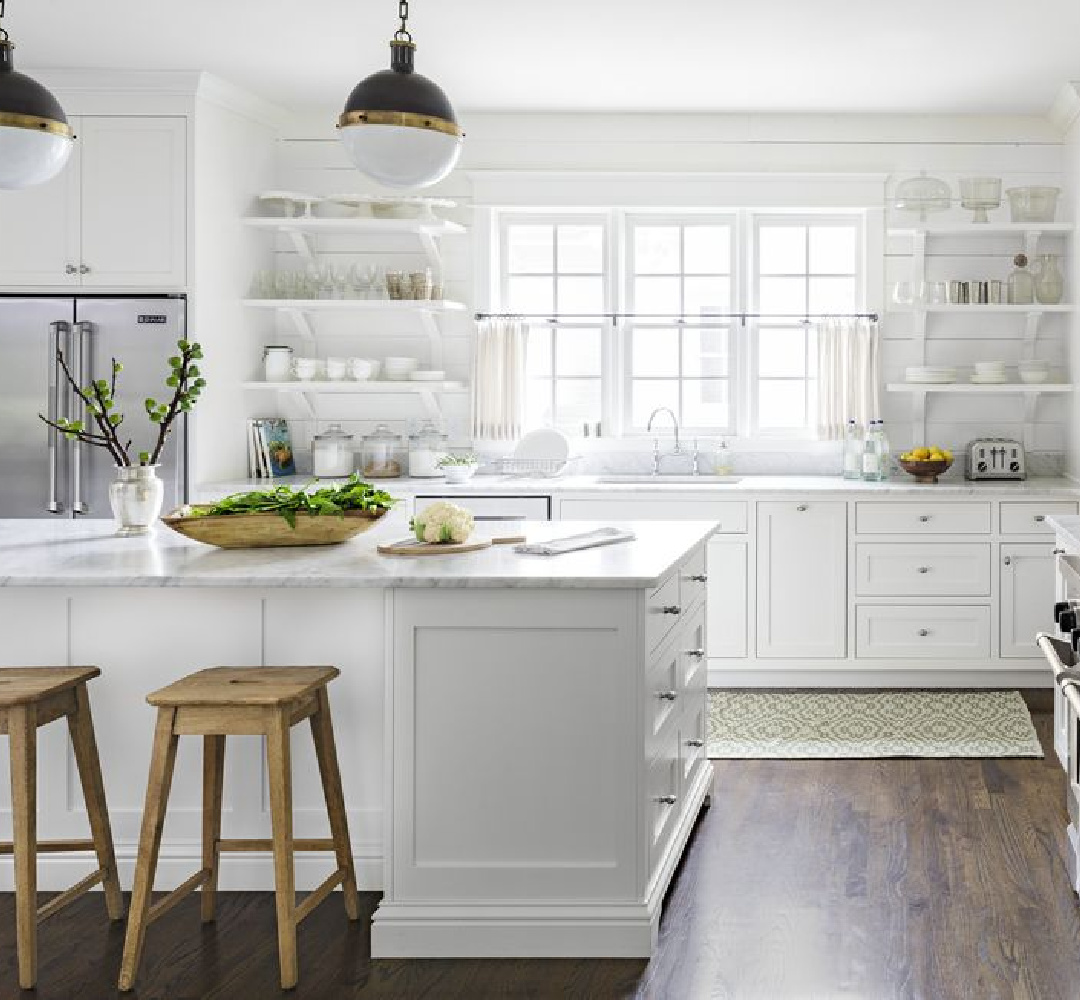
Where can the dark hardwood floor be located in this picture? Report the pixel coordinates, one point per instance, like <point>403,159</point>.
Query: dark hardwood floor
<point>816,880</point>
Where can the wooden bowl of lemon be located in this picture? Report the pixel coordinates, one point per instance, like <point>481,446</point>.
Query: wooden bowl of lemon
<point>926,464</point>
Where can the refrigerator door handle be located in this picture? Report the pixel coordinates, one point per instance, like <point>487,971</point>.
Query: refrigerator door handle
<point>83,332</point>
<point>57,331</point>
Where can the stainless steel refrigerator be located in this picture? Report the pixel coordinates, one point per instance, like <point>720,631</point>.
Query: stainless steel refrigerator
<point>43,474</point>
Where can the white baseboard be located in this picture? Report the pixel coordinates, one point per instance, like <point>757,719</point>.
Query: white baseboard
<point>798,675</point>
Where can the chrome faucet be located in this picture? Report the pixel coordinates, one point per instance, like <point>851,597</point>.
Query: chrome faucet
<point>656,441</point>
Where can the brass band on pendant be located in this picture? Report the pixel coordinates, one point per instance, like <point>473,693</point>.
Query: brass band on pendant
<point>36,124</point>
<point>408,119</point>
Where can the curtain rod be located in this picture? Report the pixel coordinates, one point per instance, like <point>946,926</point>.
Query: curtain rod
<point>678,318</point>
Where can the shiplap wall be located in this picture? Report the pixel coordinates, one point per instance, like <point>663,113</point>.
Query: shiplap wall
<point>1021,150</point>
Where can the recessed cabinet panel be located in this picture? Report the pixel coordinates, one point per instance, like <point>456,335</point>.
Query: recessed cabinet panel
<point>728,598</point>
<point>1027,597</point>
<point>916,633</point>
<point>918,570</point>
<point>802,579</point>
<point>1030,518</point>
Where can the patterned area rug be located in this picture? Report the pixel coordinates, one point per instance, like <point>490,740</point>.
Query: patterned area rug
<point>822,724</point>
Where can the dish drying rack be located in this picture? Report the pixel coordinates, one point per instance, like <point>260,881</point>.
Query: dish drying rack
<point>532,468</point>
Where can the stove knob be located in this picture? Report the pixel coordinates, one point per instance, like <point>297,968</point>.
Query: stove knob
<point>1068,621</point>
<point>1074,639</point>
<point>1014,466</point>
<point>1059,608</point>
<point>981,466</point>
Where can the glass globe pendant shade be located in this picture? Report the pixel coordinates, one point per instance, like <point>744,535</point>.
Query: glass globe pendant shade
<point>398,127</point>
<point>35,138</point>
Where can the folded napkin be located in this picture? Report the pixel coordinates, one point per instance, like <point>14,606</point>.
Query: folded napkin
<point>573,543</point>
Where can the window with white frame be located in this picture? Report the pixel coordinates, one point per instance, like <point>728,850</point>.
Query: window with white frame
<point>557,267</point>
<point>676,280</point>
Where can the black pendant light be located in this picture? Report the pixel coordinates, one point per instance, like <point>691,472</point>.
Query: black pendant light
<point>35,137</point>
<point>398,127</point>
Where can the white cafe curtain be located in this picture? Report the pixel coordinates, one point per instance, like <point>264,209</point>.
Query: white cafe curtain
<point>849,374</point>
<point>498,383</point>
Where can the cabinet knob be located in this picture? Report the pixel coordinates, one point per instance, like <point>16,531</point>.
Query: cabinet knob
<point>924,632</point>
<point>671,609</point>
<point>1040,518</point>
<point>802,507</point>
<point>695,743</point>
<point>1059,552</point>
<point>667,800</point>
<point>1007,560</point>
<point>924,518</point>
<point>924,569</point>
<point>71,269</point>
<point>698,578</point>
<point>84,269</point>
<point>697,654</point>
<point>666,695</point>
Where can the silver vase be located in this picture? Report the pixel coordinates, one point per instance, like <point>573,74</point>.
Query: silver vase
<point>136,497</point>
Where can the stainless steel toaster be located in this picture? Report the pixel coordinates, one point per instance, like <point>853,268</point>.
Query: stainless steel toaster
<point>995,458</point>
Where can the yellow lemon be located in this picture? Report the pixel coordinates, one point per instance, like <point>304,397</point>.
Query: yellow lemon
<point>920,454</point>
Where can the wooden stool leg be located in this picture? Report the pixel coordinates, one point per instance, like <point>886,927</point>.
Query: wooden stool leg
<point>157,796</point>
<point>213,782</point>
<point>84,743</point>
<point>279,768</point>
<point>22,727</point>
<point>322,732</point>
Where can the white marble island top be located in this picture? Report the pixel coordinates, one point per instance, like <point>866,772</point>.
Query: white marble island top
<point>1067,526</point>
<point>52,553</point>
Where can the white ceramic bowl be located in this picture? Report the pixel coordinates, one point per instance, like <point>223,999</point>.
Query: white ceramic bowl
<point>1033,377</point>
<point>459,473</point>
<point>399,369</point>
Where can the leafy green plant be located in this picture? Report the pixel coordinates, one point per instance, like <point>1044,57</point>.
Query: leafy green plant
<point>354,495</point>
<point>102,421</point>
<point>467,459</point>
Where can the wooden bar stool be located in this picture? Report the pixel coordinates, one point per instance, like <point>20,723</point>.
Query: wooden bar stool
<point>242,701</point>
<point>31,697</point>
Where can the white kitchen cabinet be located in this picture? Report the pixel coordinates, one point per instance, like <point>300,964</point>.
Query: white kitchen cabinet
<point>728,598</point>
<point>1027,597</point>
<point>730,515</point>
<point>115,217</point>
<point>801,579</point>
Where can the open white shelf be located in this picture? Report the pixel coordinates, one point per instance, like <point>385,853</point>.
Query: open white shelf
<point>988,307</point>
<point>986,229</point>
<point>357,305</point>
<point>308,392</point>
<point>973,387</point>
<point>359,224</point>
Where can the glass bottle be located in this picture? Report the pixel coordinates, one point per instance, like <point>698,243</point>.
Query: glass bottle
<point>722,462</point>
<point>884,451</point>
<point>1049,281</point>
<point>1021,283</point>
<point>873,469</point>
<point>853,448</point>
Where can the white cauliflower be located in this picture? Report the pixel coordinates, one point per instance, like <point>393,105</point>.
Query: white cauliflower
<point>443,522</point>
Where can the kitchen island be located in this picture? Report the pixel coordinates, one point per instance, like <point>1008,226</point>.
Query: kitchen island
<point>521,737</point>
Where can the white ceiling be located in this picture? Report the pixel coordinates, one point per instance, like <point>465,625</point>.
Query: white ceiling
<point>981,56</point>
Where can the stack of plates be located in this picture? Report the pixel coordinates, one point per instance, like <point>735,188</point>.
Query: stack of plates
<point>989,373</point>
<point>931,374</point>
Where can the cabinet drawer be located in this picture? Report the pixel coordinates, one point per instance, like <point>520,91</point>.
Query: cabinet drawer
<point>930,518</point>
<point>960,633</point>
<point>1030,518</point>
<point>662,696</point>
<point>731,514</point>
<point>922,570</point>
<point>662,611</point>
<point>692,741</point>
<point>693,578</point>
<point>662,787</point>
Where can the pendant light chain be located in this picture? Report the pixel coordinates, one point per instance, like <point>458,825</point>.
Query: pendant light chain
<point>401,35</point>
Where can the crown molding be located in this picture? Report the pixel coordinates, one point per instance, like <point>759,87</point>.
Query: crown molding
<point>1065,108</point>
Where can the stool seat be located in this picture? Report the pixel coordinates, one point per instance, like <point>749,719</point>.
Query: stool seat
<point>22,685</point>
<point>244,686</point>
<point>242,701</point>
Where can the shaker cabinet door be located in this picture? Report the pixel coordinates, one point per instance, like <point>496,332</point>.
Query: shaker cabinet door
<point>134,202</point>
<point>1027,597</point>
<point>802,579</point>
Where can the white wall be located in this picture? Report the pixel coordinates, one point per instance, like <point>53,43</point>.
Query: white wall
<point>1070,103</point>
<point>1022,150</point>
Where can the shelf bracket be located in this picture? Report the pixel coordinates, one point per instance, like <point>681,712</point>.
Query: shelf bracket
<point>431,249</point>
<point>431,406</point>
<point>301,244</point>
<point>301,322</point>
<point>305,399</point>
<point>1031,333</point>
<point>431,328</point>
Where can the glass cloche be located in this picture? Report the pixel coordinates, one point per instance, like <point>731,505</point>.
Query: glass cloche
<point>922,194</point>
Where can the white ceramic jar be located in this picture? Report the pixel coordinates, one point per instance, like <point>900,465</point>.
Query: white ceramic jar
<point>277,363</point>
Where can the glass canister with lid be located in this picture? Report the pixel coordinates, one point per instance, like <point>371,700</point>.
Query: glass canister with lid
<point>427,447</point>
<point>332,453</point>
<point>382,454</point>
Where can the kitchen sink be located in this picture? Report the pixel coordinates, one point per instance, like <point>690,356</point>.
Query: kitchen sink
<point>681,480</point>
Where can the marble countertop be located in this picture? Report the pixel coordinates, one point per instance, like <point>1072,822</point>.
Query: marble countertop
<point>1066,525</point>
<point>52,553</point>
<point>746,486</point>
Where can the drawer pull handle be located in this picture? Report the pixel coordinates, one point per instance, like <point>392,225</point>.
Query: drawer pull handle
<point>1008,560</point>
<point>924,518</point>
<point>671,609</point>
<point>71,269</point>
<point>698,578</point>
<point>802,507</point>
<point>1059,552</point>
<point>667,800</point>
<point>83,269</point>
<point>697,654</point>
<point>666,695</point>
<point>924,632</point>
<point>695,743</point>
<point>1040,518</point>
<point>924,569</point>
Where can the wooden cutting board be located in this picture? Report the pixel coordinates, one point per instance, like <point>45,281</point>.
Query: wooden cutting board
<point>413,548</point>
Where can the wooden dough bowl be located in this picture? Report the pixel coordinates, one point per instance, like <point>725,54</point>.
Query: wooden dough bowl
<point>265,531</point>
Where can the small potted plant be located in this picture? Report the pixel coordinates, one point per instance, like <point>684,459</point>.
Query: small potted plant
<point>459,468</point>
<point>137,494</point>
